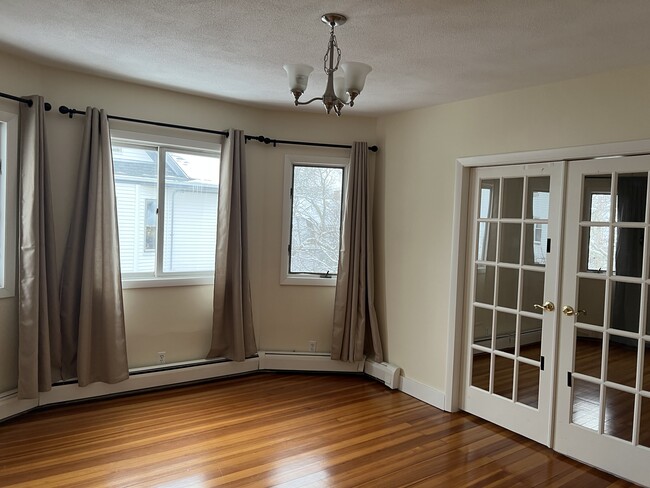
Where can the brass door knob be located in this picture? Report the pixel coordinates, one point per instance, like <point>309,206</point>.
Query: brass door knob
<point>548,306</point>
<point>568,310</point>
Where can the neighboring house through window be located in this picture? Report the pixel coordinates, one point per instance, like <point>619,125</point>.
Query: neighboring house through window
<point>8,201</point>
<point>167,193</point>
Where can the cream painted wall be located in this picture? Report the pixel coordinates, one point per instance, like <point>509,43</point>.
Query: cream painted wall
<point>415,190</point>
<point>8,344</point>
<point>177,320</point>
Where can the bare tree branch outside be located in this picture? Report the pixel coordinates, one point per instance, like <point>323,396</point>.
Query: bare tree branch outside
<point>316,219</point>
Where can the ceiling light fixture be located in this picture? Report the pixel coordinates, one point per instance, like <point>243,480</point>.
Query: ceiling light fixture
<point>340,91</point>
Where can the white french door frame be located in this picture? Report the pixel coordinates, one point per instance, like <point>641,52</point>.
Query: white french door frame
<point>459,275</point>
<point>462,213</point>
<point>537,422</point>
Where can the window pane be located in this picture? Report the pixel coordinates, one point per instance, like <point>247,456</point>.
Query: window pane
<point>631,197</point>
<point>136,176</point>
<point>489,204</point>
<point>487,241</point>
<point>191,189</point>
<point>513,190</point>
<point>596,198</point>
<point>316,219</point>
<point>537,205</point>
<point>594,252</point>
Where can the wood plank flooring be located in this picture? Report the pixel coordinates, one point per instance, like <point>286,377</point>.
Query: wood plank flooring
<point>288,430</point>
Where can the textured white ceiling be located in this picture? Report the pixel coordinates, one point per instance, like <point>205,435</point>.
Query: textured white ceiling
<point>424,52</point>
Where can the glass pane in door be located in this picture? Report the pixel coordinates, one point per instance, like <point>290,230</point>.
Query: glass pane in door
<point>586,404</point>
<point>644,437</point>
<point>528,385</point>
<point>511,231</point>
<point>608,322</point>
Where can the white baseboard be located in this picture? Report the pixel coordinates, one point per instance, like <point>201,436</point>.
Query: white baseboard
<point>423,392</point>
<point>306,361</point>
<point>267,360</point>
<point>66,393</point>
<point>10,405</point>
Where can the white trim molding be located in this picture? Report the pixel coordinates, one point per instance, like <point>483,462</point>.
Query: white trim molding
<point>423,392</point>
<point>453,379</point>
<point>291,161</point>
<point>193,371</point>
<point>156,379</point>
<point>306,361</point>
<point>10,405</point>
<point>8,201</point>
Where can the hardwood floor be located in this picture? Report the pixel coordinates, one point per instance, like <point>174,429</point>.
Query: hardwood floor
<point>289,430</point>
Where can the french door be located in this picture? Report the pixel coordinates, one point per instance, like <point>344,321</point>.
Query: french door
<point>603,394</point>
<point>511,315</point>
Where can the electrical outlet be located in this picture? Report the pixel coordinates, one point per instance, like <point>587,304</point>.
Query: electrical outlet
<point>312,346</point>
<point>161,357</point>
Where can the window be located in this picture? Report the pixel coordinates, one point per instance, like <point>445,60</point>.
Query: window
<point>314,191</point>
<point>150,224</point>
<point>541,206</point>
<point>167,194</point>
<point>599,210</point>
<point>8,201</point>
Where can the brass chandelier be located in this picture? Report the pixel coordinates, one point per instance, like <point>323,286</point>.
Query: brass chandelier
<point>340,90</point>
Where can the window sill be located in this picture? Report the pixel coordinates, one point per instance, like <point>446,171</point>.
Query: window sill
<point>306,280</point>
<point>129,283</point>
<point>6,293</point>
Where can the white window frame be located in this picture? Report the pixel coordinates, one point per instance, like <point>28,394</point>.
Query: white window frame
<point>8,202</point>
<point>291,160</point>
<point>164,144</point>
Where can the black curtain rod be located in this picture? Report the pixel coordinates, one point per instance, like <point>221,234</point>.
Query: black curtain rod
<point>71,112</point>
<point>26,101</point>
<point>275,142</point>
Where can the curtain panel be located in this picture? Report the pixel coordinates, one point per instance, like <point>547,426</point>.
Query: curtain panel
<point>232,323</point>
<point>92,310</point>
<point>355,330</point>
<point>39,336</point>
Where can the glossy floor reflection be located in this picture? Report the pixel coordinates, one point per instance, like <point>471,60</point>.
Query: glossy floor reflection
<point>287,430</point>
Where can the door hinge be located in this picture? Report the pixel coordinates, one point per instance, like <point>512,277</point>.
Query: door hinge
<point>291,193</point>
<point>289,249</point>
<point>541,363</point>
<point>548,245</point>
<point>568,379</point>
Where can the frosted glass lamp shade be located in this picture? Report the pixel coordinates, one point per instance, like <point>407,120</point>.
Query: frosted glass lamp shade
<point>298,76</point>
<point>339,89</point>
<point>355,76</point>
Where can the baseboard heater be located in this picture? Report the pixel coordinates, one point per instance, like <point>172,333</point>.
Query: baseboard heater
<point>306,361</point>
<point>387,373</point>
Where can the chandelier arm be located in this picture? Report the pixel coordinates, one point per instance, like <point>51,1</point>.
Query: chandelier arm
<point>308,102</point>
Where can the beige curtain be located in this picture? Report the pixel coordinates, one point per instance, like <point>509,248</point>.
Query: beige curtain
<point>92,312</point>
<point>354,304</point>
<point>39,335</point>
<point>232,320</point>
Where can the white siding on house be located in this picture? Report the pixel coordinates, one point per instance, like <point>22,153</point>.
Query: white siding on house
<point>190,210</point>
<point>131,197</point>
<point>190,228</point>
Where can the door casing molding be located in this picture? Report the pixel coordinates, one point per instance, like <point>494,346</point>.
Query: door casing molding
<point>457,281</point>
